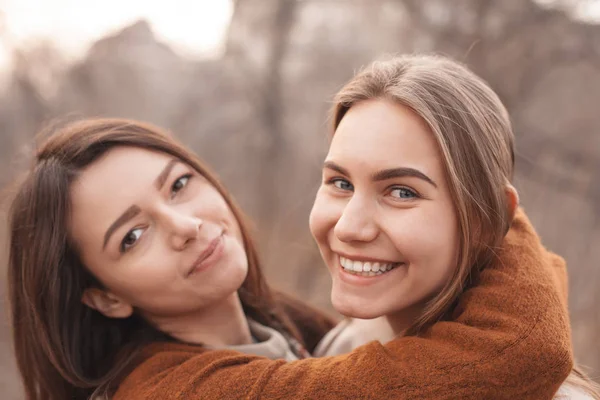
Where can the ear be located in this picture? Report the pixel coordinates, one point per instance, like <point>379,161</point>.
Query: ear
<point>108,304</point>
<point>512,200</point>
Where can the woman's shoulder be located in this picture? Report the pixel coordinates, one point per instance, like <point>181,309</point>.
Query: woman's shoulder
<point>164,355</point>
<point>155,365</point>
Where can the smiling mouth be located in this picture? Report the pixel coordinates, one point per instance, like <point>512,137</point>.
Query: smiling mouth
<point>366,268</point>
<point>204,259</point>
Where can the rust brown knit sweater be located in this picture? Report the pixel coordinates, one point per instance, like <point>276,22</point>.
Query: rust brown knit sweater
<point>510,340</point>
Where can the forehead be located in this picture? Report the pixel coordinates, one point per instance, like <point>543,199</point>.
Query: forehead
<point>383,134</point>
<point>119,169</point>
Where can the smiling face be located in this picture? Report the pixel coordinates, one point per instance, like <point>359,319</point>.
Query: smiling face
<point>156,233</point>
<point>383,217</point>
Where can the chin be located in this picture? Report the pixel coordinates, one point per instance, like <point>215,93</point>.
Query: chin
<point>230,278</point>
<point>354,308</point>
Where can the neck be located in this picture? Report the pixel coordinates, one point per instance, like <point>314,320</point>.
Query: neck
<point>402,320</point>
<point>220,325</point>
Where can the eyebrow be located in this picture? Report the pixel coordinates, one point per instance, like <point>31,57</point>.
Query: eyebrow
<point>162,177</point>
<point>126,216</point>
<point>134,210</point>
<point>386,174</point>
<point>335,167</point>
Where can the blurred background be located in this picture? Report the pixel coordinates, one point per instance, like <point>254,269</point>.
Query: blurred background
<point>247,84</point>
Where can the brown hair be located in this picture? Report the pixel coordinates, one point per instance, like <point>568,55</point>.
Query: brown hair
<point>64,349</point>
<point>473,132</point>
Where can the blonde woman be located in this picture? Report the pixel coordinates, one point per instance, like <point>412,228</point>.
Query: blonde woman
<point>415,201</point>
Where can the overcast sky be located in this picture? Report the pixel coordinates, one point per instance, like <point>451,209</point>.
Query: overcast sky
<point>194,27</point>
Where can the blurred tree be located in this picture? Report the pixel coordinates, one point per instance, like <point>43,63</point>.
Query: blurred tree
<point>258,114</point>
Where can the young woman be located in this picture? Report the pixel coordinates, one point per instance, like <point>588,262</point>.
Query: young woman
<point>416,198</point>
<point>132,275</point>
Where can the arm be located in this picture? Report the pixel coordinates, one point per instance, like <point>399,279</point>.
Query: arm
<point>510,339</point>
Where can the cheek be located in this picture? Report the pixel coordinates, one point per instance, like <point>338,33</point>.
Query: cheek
<point>142,279</point>
<point>429,241</point>
<point>148,272</point>
<point>211,206</point>
<point>323,217</point>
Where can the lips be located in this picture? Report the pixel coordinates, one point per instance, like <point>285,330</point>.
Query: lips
<point>371,268</point>
<point>362,259</point>
<point>209,254</point>
<point>358,270</point>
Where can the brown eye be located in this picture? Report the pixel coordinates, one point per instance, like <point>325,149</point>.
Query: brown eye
<point>180,183</point>
<point>130,239</point>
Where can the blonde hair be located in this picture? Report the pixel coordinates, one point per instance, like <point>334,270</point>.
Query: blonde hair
<point>474,133</point>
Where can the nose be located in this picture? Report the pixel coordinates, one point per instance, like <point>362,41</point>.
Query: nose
<point>357,222</point>
<point>182,227</point>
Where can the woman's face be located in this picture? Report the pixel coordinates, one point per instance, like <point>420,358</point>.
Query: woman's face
<point>383,217</point>
<point>156,233</point>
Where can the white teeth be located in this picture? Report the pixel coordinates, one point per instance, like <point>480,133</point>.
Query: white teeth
<point>366,268</point>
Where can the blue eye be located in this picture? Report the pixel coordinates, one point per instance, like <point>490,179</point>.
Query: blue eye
<point>342,184</point>
<point>403,193</point>
<point>130,239</point>
<point>180,183</point>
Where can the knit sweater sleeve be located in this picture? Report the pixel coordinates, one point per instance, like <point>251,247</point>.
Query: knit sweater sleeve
<point>510,339</point>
